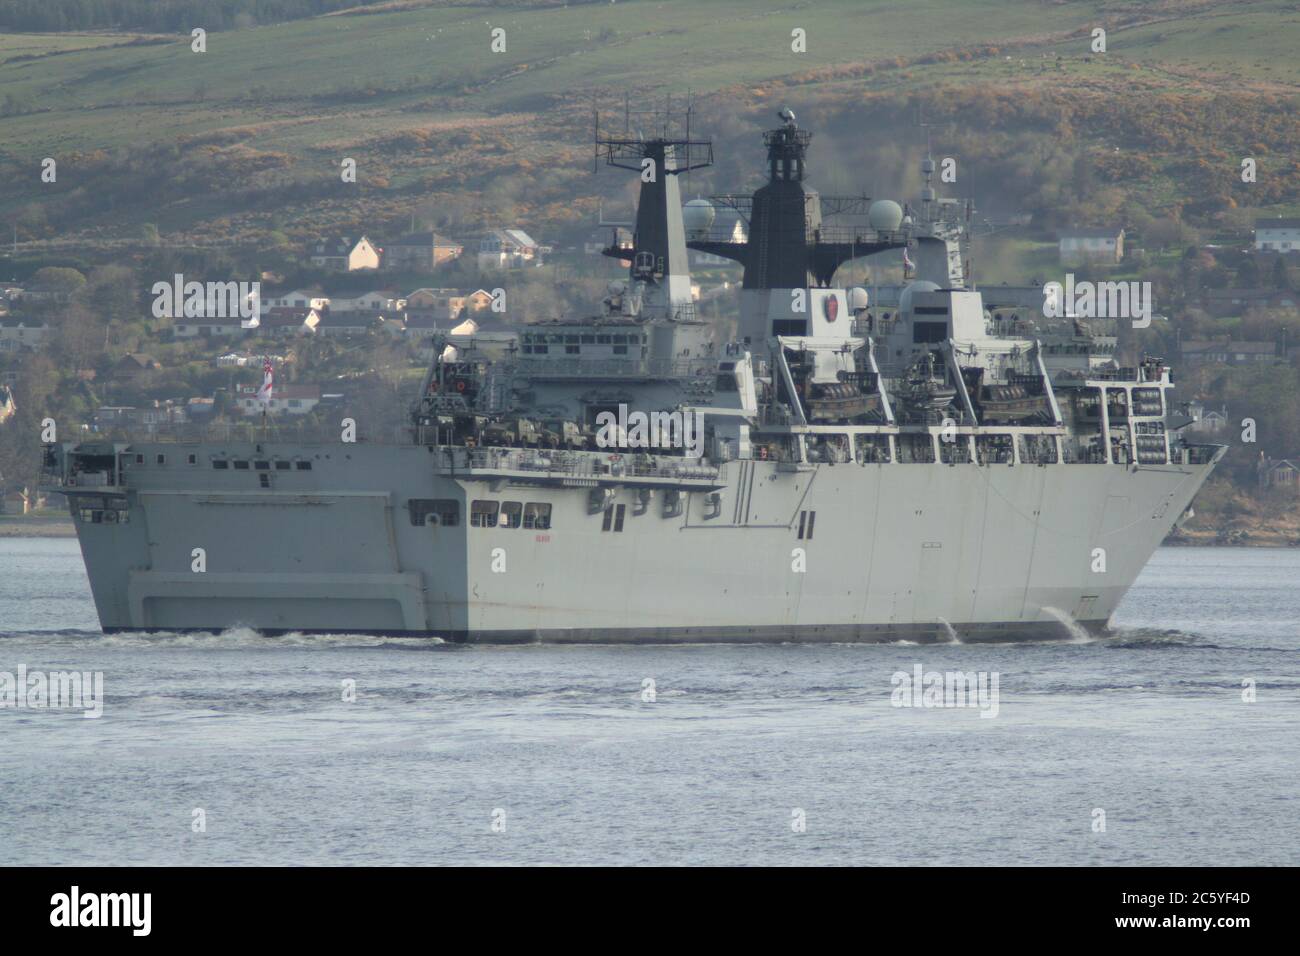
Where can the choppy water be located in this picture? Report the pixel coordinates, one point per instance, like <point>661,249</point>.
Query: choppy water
<point>1148,725</point>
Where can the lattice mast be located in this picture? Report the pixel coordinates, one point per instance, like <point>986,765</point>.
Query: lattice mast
<point>659,147</point>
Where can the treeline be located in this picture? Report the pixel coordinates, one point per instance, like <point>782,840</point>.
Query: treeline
<point>54,16</point>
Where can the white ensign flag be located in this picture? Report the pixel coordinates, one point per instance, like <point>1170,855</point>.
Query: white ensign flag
<point>264,393</point>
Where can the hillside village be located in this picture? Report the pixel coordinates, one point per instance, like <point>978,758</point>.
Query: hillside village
<point>333,340</point>
<point>334,343</point>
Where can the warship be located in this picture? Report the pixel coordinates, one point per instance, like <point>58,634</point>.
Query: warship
<point>833,471</point>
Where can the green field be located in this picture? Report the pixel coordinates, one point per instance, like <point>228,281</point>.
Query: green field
<point>383,62</point>
<point>288,100</point>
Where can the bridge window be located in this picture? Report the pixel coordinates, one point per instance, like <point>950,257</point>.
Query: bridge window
<point>483,514</point>
<point>303,465</point>
<point>537,514</point>
<point>220,464</point>
<point>510,514</point>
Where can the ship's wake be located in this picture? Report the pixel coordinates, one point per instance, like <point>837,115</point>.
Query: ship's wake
<point>1078,633</point>
<point>234,638</point>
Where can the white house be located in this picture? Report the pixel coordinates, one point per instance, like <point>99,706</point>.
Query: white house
<point>507,249</point>
<point>380,300</point>
<point>236,360</point>
<point>1078,246</point>
<point>285,399</point>
<point>22,334</point>
<point>1277,235</point>
<point>299,299</point>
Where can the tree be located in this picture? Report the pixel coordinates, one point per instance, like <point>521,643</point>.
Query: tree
<point>58,279</point>
<point>81,337</point>
<point>1281,275</point>
<point>20,438</point>
<point>1248,273</point>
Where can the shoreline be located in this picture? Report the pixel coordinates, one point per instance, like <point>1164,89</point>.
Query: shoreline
<point>37,526</point>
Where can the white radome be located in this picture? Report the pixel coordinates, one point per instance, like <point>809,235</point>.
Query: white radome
<point>697,217</point>
<point>858,299</point>
<point>885,215</point>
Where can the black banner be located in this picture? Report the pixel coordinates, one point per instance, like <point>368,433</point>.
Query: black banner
<point>329,905</point>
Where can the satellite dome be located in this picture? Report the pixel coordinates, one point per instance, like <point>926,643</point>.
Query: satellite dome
<point>858,299</point>
<point>616,287</point>
<point>697,217</point>
<point>920,285</point>
<point>885,215</point>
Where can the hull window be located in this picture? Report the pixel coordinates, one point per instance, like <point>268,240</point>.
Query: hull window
<point>915,449</point>
<point>994,449</point>
<point>434,511</point>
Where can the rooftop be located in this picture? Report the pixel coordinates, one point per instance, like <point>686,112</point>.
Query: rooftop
<point>1091,232</point>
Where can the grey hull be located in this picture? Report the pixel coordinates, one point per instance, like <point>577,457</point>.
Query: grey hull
<point>893,552</point>
<point>1000,632</point>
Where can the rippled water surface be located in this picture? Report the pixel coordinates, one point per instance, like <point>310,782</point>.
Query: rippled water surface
<point>557,743</point>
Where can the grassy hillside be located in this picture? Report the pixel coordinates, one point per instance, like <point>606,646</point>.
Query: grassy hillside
<point>245,139</point>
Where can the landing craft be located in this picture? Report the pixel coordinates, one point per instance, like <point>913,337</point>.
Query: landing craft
<point>964,473</point>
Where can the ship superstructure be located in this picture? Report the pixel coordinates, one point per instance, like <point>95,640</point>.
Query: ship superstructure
<point>838,471</point>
